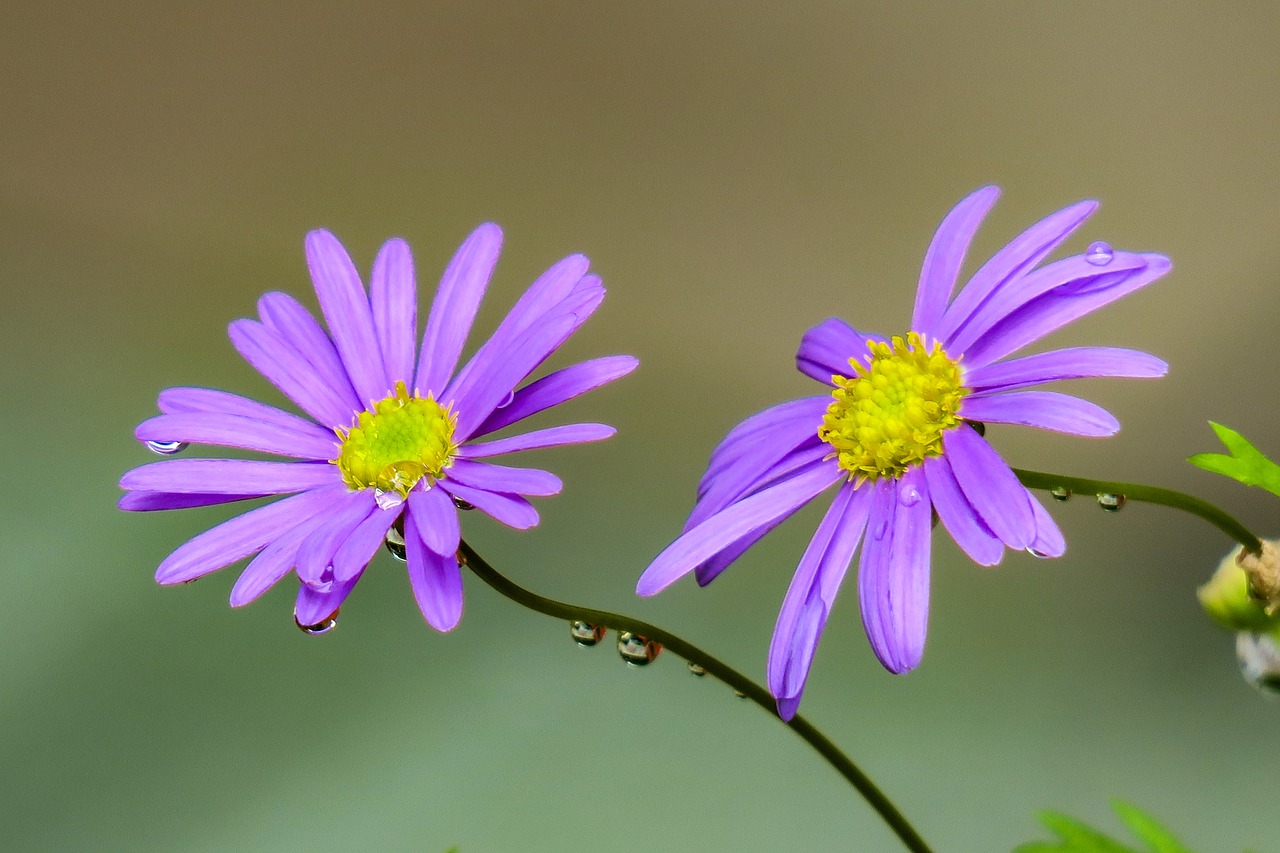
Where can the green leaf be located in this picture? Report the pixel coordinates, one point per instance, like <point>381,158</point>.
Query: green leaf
<point>1246,463</point>
<point>1075,836</point>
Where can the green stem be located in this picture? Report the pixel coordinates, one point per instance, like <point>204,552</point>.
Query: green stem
<point>739,682</point>
<point>1149,494</point>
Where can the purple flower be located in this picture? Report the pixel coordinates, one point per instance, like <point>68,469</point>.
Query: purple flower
<point>393,431</point>
<point>895,435</point>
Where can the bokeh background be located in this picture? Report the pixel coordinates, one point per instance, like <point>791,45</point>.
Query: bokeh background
<point>737,172</point>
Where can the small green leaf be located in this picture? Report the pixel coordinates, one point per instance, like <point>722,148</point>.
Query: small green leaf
<point>1075,836</point>
<point>1246,463</point>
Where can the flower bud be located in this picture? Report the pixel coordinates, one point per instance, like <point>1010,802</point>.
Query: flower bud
<point>1244,592</point>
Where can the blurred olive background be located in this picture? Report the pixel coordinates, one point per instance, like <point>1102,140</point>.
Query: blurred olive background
<point>737,172</point>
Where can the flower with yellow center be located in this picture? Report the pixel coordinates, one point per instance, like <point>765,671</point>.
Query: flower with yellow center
<point>403,440</point>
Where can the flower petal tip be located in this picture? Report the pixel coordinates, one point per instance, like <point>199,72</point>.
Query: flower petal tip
<point>787,707</point>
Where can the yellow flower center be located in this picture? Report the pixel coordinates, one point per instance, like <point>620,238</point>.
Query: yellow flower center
<point>403,439</point>
<point>891,415</point>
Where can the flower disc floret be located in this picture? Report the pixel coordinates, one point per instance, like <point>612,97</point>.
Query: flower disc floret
<point>403,439</point>
<point>891,414</point>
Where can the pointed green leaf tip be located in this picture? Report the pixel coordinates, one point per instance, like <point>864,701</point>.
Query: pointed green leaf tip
<point>1245,464</point>
<point>1075,836</point>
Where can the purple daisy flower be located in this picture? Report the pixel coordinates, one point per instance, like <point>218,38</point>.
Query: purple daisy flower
<point>895,435</point>
<point>392,434</point>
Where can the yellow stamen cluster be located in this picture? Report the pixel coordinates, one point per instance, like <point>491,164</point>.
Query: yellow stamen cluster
<point>403,439</point>
<point>892,414</point>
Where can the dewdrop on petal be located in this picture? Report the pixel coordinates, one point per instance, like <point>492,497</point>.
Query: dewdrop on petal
<point>1243,593</point>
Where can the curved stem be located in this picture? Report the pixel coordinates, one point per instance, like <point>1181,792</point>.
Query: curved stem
<point>1150,494</point>
<point>739,682</point>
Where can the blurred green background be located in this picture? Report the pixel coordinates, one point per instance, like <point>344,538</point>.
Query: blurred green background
<point>737,172</point>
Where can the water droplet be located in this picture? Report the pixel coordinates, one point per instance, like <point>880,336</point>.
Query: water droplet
<point>881,528</point>
<point>1033,552</point>
<point>166,448</point>
<point>1099,254</point>
<point>697,669</point>
<point>395,545</point>
<point>1110,502</point>
<point>586,634</point>
<point>1259,660</point>
<point>910,496</point>
<point>979,427</point>
<point>324,626</point>
<point>1062,493</point>
<point>637,650</point>
<point>387,500</point>
<point>191,580</point>
<point>507,400</point>
<point>739,693</point>
<point>461,504</point>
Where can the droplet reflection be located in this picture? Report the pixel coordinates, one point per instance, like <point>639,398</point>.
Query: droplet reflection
<point>166,448</point>
<point>395,545</point>
<point>1110,502</point>
<point>586,634</point>
<point>1099,254</point>
<point>1061,494</point>
<point>324,626</point>
<point>637,650</point>
<point>697,669</point>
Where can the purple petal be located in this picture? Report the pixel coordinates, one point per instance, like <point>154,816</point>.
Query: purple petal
<point>393,299</point>
<point>737,482</point>
<point>1013,261</point>
<point>454,309</point>
<point>958,515</point>
<point>358,551</point>
<point>294,325</point>
<point>1048,541</point>
<point>733,523</point>
<point>787,425</point>
<point>236,431</point>
<point>152,501</point>
<point>243,535</point>
<point>945,257</point>
<point>315,554</point>
<point>1055,309</point>
<point>893,576</point>
<point>1072,363</point>
<point>275,560</point>
<point>537,440</point>
<point>286,369</point>
<point>512,510</point>
<point>229,476</point>
<point>1043,409</point>
<point>436,518</point>
<point>498,478</point>
<point>182,400</point>
<point>436,580</point>
<point>827,348</point>
<point>708,571</point>
<point>346,310</point>
<point>1077,273</point>
<point>313,607</point>
<point>990,487</point>
<point>811,595</point>
<point>556,388</point>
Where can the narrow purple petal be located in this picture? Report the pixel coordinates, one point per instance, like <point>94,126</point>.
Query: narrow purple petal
<point>990,487</point>
<point>229,476</point>
<point>1055,309</point>
<point>276,560</point>
<point>499,478</point>
<point>174,401</point>
<point>537,440</point>
<point>787,426</point>
<point>811,595</point>
<point>313,607</point>
<point>153,501</point>
<point>945,257</point>
<point>556,388</point>
<point>1071,363</point>
<point>1044,409</point>
<point>436,580</point>
<point>1077,273</point>
<point>735,483</point>
<point>454,309</point>
<point>827,348</point>
<point>243,535</point>
<point>346,309</point>
<point>436,518</point>
<point>315,554</point>
<point>733,523</point>
<point>293,324</point>
<point>512,510</point>
<point>893,576</point>
<point>958,515</point>
<point>1049,541</point>
<point>708,571</point>
<point>312,442</point>
<point>286,369</point>
<point>393,299</point>
<point>1016,259</point>
<point>358,551</point>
